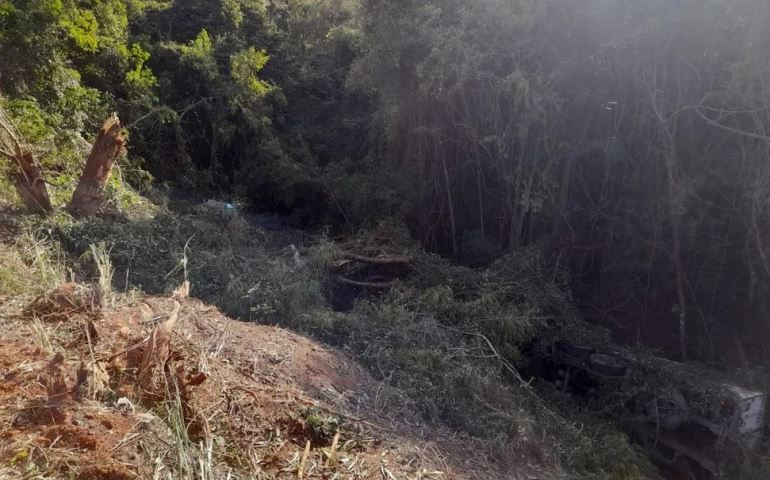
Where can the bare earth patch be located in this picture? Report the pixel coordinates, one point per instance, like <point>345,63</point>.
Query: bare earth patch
<point>94,393</point>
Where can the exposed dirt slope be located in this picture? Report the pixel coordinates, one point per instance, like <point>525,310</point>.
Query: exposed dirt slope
<point>92,392</point>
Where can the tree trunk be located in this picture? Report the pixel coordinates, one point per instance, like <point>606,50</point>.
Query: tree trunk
<point>450,202</point>
<point>29,183</point>
<point>27,177</point>
<point>89,194</point>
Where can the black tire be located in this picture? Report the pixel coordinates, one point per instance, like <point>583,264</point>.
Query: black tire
<point>607,365</point>
<point>574,355</point>
<point>574,350</point>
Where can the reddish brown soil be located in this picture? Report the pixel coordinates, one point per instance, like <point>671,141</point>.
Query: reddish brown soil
<point>251,395</point>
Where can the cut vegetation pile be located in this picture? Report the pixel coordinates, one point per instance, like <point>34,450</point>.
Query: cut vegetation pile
<point>451,338</point>
<point>167,387</point>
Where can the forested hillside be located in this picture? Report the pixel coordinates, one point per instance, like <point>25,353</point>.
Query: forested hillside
<point>627,137</point>
<point>597,161</point>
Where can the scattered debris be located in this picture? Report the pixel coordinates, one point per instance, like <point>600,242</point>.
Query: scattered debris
<point>66,300</point>
<point>147,396</point>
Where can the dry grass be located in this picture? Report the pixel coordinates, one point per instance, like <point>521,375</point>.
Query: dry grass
<point>101,258</point>
<point>30,265</point>
<point>41,333</point>
<point>226,406</point>
<point>446,336</point>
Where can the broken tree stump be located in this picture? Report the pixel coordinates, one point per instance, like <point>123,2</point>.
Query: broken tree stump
<point>26,173</point>
<point>88,198</point>
<point>29,183</point>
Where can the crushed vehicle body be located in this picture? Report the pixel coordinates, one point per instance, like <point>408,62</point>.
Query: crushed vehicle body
<point>688,418</point>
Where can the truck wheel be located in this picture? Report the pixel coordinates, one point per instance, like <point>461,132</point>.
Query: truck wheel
<point>607,365</point>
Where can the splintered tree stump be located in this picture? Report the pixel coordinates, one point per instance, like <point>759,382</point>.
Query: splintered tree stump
<point>89,194</point>
<point>27,176</point>
<point>29,183</point>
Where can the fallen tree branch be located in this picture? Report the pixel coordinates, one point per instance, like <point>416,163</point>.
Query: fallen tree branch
<point>728,128</point>
<point>271,392</point>
<point>356,283</point>
<point>378,260</point>
<point>495,354</point>
<point>302,462</point>
<point>506,364</point>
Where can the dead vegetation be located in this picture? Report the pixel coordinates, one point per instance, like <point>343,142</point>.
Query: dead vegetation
<point>449,338</point>
<point>443,344</point>
<point>168,388</point>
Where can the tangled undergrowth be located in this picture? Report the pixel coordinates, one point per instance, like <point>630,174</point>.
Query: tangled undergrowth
<point>168,388</point>
<point>105,384</point>
<point>450,336</point>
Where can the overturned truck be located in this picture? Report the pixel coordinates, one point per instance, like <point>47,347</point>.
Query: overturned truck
<point>690,419</point>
